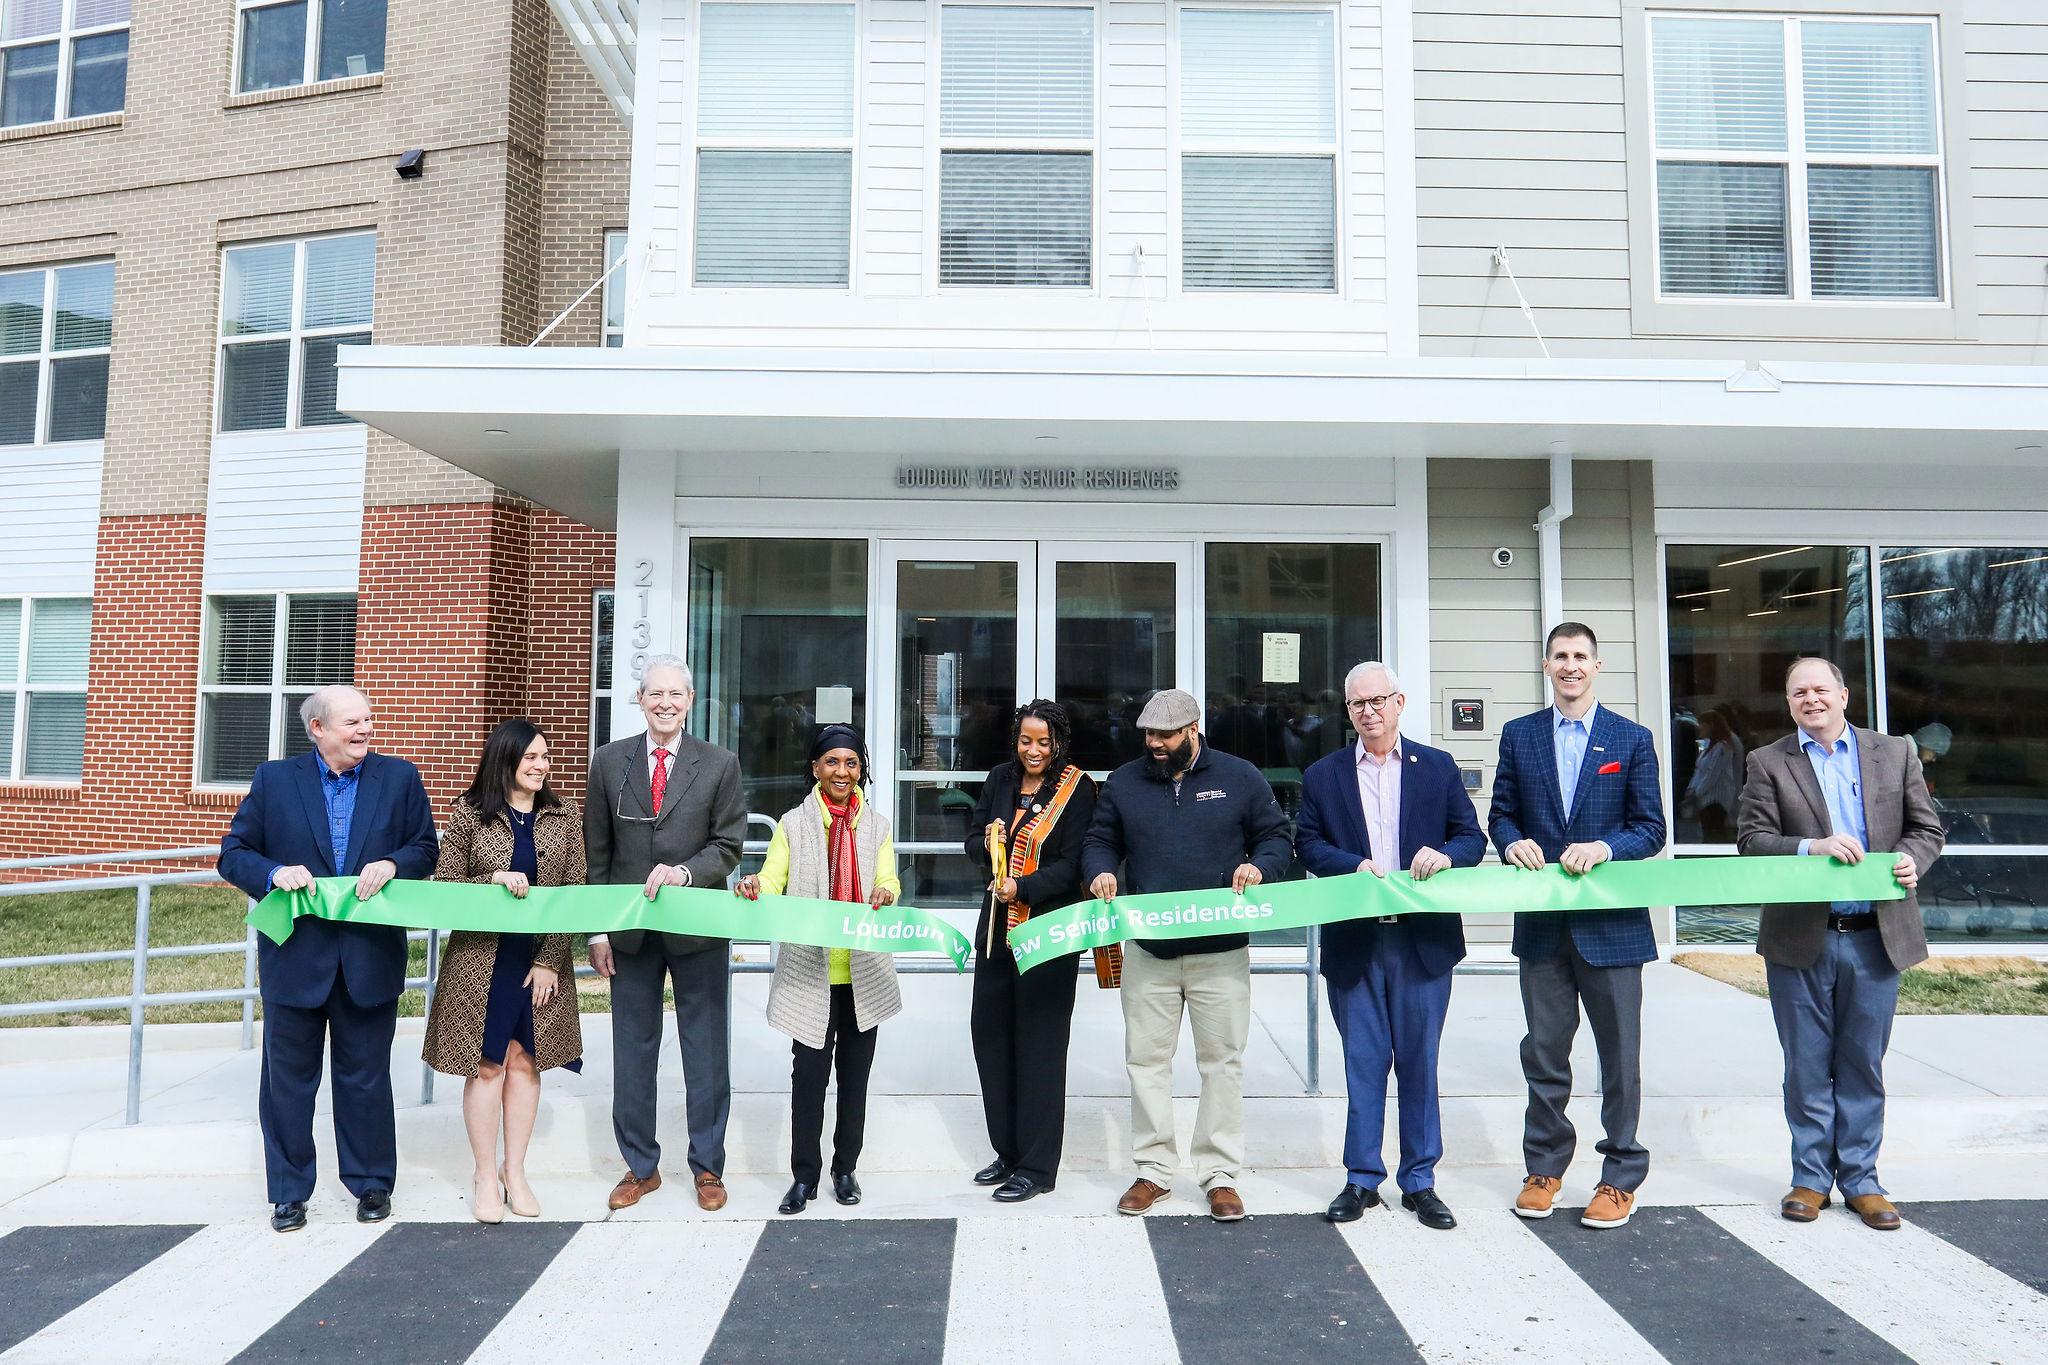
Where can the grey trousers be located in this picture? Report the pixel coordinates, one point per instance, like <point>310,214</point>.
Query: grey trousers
<point>1834,1023</point>
<point>1553,989</point>
<point>703,989</point>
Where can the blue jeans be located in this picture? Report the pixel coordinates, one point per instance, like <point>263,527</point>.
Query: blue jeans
<point>1834,1023</point>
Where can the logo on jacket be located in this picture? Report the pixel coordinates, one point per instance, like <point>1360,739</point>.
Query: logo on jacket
<point>1211,795</point>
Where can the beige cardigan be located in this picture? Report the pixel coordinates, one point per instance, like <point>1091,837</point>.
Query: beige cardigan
<point>800,995</point>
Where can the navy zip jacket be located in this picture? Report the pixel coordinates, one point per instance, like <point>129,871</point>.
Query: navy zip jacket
<point>1188,836</point>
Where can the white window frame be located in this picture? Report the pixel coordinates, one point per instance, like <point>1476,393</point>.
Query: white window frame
<point>45,353</point>
<point>610,335</point>
<point>1183,147</point>
<point>850,144</point>
<point>66,37</point>
<point>21,688</point>
<point>1092,145</point>
<point>600,697</point>
<point>282,717</point>
<point>1797,159</point>
<point>309,69</point>
<point>295,336</point>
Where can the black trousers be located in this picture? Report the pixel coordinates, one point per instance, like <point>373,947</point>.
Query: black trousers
<point>1021,1023</point>
<point>810,1069</point>
<point>365,1126</point>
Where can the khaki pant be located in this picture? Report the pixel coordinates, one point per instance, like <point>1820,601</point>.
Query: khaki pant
<point>1216,989</point>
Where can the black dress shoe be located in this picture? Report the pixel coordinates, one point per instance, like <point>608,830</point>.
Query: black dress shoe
<point>1429,1210</point>
<point>995,1173</point>
<point>1019,1188</point>
<point>846,1189</point>
<point>288,1217</point>
<point>374,1207</point>
<point>799,1195</point>
<point>1351,1205</point>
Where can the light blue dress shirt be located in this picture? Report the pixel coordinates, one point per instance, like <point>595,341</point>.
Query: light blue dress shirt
<point>1839,770</point>
<point>1572,738</point>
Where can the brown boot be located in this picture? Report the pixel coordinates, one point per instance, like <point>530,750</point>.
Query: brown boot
<point>1875,1210</point>
<point>710,1193</point>
<point>631,1187</point>
<point>1142,1195</point>
<point>1610,1208</point>
<point>1537,1193</point>
<point>1224,1205</point>
<point>1802,1205</point>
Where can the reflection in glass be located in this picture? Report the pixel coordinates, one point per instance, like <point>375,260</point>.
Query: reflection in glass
<point>1114,632</point>
<point>1966,664</point>
<point>1963,899</point>
<point>1738,615</point>
<point>772,624</point>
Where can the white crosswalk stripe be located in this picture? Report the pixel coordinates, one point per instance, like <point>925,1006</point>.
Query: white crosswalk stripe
<point>1489,1291</point>
<point>627,1291</point>
<point>1028,1290</point>
<point>203,1300</point>
<point>1932,1300</point>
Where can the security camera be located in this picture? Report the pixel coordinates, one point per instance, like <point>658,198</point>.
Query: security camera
<point>1503,557</point>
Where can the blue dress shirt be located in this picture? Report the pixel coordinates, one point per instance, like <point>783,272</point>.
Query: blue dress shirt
<point>340,791</point>
<point>1840,773</point>
<point>1572,738</point>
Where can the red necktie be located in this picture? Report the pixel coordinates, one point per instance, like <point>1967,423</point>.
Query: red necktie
<point>658,777</point>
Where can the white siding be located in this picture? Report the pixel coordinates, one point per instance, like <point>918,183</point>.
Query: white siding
<point>1363,156</point>
<point>1136,178</point>
<point>49,518</point>
<point>284,511</point>
<point>892,160</point>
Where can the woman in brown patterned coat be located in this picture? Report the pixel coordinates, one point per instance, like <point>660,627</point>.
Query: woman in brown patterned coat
<point>505,1007</point>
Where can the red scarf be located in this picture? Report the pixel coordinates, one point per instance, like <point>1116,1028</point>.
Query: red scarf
<point>841,858</point>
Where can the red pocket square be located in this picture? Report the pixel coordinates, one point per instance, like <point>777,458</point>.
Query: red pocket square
<point>1610,767</point>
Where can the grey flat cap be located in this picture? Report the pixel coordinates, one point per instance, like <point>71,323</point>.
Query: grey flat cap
<point>1170,709</point>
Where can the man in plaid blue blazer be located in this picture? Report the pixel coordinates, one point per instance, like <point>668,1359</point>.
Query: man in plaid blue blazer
<point>1577,784</point>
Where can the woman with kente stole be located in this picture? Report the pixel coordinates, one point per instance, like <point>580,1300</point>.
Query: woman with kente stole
<point>833,846</point>
<point>1026,838</point>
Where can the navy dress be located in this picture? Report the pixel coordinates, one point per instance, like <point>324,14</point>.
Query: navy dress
<point>508,1011</point>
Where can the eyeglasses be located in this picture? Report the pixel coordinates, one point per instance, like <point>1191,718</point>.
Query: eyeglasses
<point>619,800</point>
<point>1358,706</point>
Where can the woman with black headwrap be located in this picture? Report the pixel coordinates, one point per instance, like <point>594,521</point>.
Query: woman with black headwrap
<point>829,1001</point>
<point>1026,838</point>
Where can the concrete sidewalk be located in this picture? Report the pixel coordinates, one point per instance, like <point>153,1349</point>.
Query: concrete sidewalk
<point>1968,1115</point>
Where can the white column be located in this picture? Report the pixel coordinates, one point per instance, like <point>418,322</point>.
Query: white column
<point>1397,147</point>
<point>645,612</point>
<point>1409,568</point>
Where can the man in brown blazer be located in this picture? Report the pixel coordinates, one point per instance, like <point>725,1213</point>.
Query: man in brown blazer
<point>1832,789</point>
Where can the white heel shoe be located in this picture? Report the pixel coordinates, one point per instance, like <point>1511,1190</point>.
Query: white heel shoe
<point>478,1209</point>
<point>533,1212</point>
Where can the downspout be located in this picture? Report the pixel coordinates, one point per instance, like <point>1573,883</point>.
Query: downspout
<point>1550,540</point>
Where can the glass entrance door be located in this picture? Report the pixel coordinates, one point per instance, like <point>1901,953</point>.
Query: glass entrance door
<point>1113,629</point>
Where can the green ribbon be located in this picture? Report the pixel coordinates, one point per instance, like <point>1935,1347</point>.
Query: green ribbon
<point>1455,891</point>
<point>613,909</point>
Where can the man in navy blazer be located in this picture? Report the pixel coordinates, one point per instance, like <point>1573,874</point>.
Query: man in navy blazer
<point>338,811</point>
<point>1379,806</point>
<point>1577,784</point>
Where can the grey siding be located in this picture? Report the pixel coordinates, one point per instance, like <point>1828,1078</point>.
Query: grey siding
<point>1521,140</point>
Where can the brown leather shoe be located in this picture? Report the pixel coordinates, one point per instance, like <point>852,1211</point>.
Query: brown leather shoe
<point>1537,1193</point>
<point>631,1187</point>
<point>1610,1208</point>
<point>1875,1210</point>
<point>1224,1205</point>
<point>710,1193</point>
<point>1802,1205</point>
<point>1142,1195</point>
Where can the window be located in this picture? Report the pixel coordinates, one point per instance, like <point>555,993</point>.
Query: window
<point>1017,136</point>
<point>299,42</point>
<point>62,59</point>
<point>1797,158</point>
<point>614,290</point>
<point>262,656</point>
<point>285,308</point>
<point>44,646</point>
<point>774,145</point>
<point>1258,125</point>
<point>601,669</point>
<point>56,334</point>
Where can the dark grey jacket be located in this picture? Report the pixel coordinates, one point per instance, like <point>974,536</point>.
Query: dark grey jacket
<point>1782,804</point>
<point>701,826</point>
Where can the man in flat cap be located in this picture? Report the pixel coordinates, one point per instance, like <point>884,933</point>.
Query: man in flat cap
<point>1183,818</point>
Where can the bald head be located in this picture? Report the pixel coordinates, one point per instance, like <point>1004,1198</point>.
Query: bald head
<point>337,719</point>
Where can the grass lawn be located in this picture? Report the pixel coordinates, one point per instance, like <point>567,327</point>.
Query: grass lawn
<point>1940,985</point>
<point>89,921</point>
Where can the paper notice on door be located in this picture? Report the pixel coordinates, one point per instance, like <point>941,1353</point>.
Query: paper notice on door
<point>835,706</point>
<point>1280,661</point>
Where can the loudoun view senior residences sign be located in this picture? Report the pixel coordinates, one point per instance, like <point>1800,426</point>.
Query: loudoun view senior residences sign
<point>1016,478</point>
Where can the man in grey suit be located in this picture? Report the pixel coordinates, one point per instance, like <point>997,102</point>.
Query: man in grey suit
<point>664,809</point>
<point>1831,789</point>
